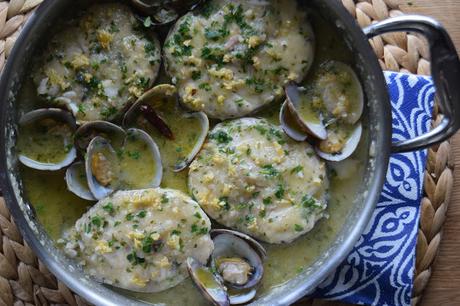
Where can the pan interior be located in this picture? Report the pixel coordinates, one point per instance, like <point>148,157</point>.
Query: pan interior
<point>311,257</point>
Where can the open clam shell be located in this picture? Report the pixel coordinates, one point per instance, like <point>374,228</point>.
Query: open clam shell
<point>341,91</point>
<point>102,168</point>
<point>304,116</point>
<point>158,112</point>
<point>86,132</point>
<point>47,139</point>
<point>204,128</point>
<point>289,124</point>
<point>155,98</point>
<point>136,164</point>
<point>251,241</point>
<point>237,260</point>
<point>334,95</point>
<point>211,288</point>
<point>238,297</point>
<point>75,177</point>
<point>137,138</point>
<point>340,144</point>
<point>236,268</point>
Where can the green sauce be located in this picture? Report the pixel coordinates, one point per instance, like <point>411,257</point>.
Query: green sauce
<point>137,165</point>
<point>45,141</point>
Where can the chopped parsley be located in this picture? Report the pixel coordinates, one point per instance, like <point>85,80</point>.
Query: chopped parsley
<point>296,169</point>
<point>216,34</point>
<point>199,230</point>
<point>142,214</point>
<point>226,205</point>
<point>298,228</point>
<point>279,193</point>
<point>178,40</point>
<point>97,221</point>
<point>309,201</point>
<point>205,86</point>
<point>267,201</point>
<point>134,259</point>
<point>269,170</point>
<point>108,207</point>
<point>134,154</point>
<point>164,199</point>
<point>257,84</point>
<point>215,55</point>
<point>109,112</point>
<point>221,137</point>
<point>147,243</point>
<point>196,75</point>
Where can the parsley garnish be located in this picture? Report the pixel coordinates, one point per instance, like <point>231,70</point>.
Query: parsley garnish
<point>269,170</point>
<point>108,207</point>
<point>298,228</point>
<point>221,137</point>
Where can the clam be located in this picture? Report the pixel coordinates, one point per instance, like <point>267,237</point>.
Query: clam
<point>305,116</point>
<point>179,134</point>
<point>290,125</point>
<point>152,168</point>
<point>75,177</point>
<point>86,132</point>
<point>329,109</point>
<point>235,269</point>
<point>342,93</point>
<point>46,142</point>
<point>102,168</point>
<point>341,142</point>
<point>162,12</point>
<point>134,165</point>
<point>203,121</point>
<point>211,287</point>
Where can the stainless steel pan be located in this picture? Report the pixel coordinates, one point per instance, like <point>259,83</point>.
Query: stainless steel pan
<point>446,74</point>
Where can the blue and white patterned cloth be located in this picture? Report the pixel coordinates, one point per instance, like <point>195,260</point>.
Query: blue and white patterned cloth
<point>380,268</point>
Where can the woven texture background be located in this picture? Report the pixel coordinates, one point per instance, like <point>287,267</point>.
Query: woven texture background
<point>24,280</point>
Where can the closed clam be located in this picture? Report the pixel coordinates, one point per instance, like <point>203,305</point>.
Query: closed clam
<point>158,112</point>
<point>329,109</point>
<point>49,144</point>
<point>235,269</point>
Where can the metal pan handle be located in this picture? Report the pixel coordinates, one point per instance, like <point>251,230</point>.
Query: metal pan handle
<point>445,69</point>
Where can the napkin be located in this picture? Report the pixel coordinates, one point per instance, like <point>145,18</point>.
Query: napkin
<point>380,268</point>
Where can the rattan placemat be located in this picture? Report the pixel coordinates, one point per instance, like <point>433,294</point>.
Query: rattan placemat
<point>24,280</point>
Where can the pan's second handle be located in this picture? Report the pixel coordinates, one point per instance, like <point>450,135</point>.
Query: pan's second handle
<point>445,69</point>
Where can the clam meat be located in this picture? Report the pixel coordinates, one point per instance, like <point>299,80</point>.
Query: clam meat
<point>235,269</point>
